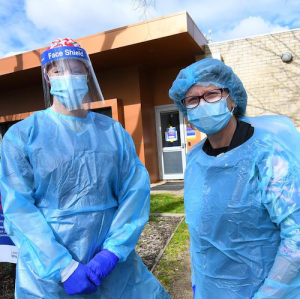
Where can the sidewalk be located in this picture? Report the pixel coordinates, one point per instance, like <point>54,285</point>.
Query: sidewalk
<point>174,187</point>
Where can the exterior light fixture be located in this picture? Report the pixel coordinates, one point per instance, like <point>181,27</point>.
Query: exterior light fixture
<point>287,57</point>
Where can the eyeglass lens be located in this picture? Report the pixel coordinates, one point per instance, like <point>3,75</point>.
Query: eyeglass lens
<point>210,97</point>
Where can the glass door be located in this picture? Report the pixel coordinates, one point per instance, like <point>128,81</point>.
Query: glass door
<point>171,142</point>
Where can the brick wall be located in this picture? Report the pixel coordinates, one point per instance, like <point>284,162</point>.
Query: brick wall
<point>273,86</point>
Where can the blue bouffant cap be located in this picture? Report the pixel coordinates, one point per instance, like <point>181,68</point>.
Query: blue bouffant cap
<point>205,72</point>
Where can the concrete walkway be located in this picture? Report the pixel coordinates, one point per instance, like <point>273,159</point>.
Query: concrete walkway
<point>174,187</point>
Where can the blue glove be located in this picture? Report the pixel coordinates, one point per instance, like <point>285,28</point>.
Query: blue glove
<point>194,290</point>
<point>102,264</point>
<point>79,282</point>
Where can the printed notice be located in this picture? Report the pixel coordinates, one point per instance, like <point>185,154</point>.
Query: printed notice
<point>8,250</point>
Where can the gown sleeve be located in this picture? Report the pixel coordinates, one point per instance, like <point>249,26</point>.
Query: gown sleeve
<point>24,223</point>
<point>193,262</point>
<point>280,176</point>
<point>133,203</point>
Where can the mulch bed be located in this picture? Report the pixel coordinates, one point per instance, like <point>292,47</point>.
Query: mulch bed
<point>6,281</point>
<point>153,239</point>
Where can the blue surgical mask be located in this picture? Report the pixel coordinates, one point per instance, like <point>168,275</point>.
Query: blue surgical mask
<point>69,90</point>
<point>210,118</point>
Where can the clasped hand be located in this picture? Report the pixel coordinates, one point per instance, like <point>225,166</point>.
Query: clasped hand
<point>86,278</point>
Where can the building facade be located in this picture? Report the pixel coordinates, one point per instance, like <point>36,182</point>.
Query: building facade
<point>135,67</point>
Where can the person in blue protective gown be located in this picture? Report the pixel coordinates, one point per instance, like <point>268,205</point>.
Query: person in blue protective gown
<point>242,190</point>
<point>75,195</point>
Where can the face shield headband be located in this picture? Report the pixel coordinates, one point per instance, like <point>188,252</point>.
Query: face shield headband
<point>63,53</point>
<point>69,77</point>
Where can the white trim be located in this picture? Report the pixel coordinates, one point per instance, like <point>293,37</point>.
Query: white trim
<point>66,272</point>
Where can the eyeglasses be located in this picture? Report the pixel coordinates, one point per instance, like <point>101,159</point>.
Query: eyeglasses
<point>210,96</point>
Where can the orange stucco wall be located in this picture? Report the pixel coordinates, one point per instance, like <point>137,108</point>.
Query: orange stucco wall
<point>116,83</point>
<point>149,125</point>
<point>191,142</point>
<point>162,82</point>
<point>135,64</point>
<point>24,99</point>
<point>139,89</point>
<point>123,83</point>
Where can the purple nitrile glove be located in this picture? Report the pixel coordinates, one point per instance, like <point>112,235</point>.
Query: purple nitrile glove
<point>102,264</point>
<point>194,290</point>
<point>79,282</point>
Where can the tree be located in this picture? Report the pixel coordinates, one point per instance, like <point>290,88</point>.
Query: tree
<point>144,6</point>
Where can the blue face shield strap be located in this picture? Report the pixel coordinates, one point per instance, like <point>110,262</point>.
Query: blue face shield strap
<point>63,53</point>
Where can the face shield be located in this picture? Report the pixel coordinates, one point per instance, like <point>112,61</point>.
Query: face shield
<point>69,78</point>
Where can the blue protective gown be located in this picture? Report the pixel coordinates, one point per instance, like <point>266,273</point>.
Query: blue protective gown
<point>243,212</point>
<point>71,187</point>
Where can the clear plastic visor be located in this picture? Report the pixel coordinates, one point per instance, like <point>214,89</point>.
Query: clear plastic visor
<point>70,82</point>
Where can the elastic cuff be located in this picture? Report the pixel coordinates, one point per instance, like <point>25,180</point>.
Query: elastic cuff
<point>65,273</point>
<point>117,255</point>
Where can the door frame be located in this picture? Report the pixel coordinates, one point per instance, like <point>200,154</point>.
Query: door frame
<point>170,108</point>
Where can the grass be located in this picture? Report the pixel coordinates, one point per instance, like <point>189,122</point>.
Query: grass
<point>171,262</point>
<point>166,203</point>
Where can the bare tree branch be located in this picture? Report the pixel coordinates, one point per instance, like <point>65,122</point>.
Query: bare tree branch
<point>144,6</point>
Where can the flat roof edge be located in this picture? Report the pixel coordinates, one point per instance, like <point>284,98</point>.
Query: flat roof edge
<point>135,24</point>
<point>145,31</point>
<point>196,33</point>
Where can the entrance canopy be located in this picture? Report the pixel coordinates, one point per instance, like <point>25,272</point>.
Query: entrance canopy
<point>151,43</point>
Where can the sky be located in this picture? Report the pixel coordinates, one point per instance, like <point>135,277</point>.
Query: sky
<point>26,25</point>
